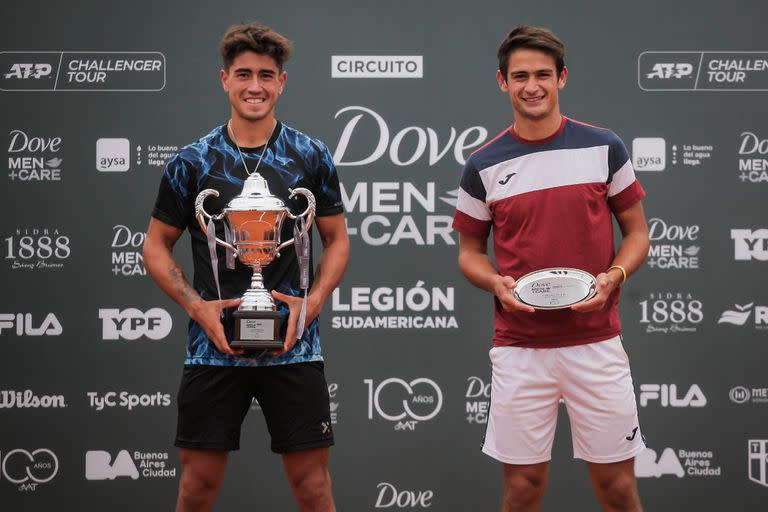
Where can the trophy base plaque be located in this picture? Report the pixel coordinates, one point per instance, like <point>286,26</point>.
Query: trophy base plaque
<point>256,330</point>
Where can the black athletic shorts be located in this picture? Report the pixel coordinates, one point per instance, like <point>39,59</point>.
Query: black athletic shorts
<point>213,401</point>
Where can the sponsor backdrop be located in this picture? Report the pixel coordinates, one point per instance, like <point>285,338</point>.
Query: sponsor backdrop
<point>96,97</point>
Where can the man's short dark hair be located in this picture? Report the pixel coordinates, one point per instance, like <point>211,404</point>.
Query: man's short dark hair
<point>532,38</point>
<point>256,38</point>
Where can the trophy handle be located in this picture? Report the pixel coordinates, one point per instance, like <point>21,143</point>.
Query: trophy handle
<point>309,213</point>
<point>202,216</point>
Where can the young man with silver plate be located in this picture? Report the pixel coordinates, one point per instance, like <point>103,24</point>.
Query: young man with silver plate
<point>253,172</point>
<point>548,187</point>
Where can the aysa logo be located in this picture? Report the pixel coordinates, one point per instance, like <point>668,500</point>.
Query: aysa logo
<point>753,166</point>
<point>670,70</point>
<point>407,147</point>
<point>478,400</point>
<point>37,248</point>
<point>27,469</point>
<point>390,497</point>
<point>678,463</point>
<point>24,71</point>
<point>405,403</point>
<point>132,324</point>
<point>377,66</point>
<point>126,400</point>
<point>25,325</point>
<point>671,312</point>
<point>742,395</point>
<point>100,466</point>
<point>672,245</point>
<point>113,155</point>
<point>741,314</point>
<point>29,400</point>
<point>382,213</point>
<point>394,308</point>
<point>757,460</point>
<point>649,153</point>
<point>750,244</point>
<point>127,259</point>
<point>667,396</point>
<point>33,158</point>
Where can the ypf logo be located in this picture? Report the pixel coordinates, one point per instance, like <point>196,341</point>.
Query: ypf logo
<point>750,244</point>
<point>132,324</point>
<point>24,71</point>
<point>113,155</point>
<point>405,403</point>
<point>649,153</point>
<point>29,469</point>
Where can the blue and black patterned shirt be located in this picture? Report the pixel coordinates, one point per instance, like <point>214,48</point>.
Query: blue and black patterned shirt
<point>292,159</point>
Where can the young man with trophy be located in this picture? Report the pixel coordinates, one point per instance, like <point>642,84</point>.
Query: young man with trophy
<point>549,187</point>
<point>233,190</point>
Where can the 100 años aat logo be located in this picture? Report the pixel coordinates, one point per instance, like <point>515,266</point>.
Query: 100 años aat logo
<point>404,403</point>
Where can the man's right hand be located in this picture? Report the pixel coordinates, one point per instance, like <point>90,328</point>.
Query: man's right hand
<point>503,288</point>
<point>207,313</point>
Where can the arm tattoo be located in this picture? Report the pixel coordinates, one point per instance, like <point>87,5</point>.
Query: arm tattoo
<point>183,287</point>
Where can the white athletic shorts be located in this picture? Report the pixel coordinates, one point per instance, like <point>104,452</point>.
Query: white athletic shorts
<point>594,382</point>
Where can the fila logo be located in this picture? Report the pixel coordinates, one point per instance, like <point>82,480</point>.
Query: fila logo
<point>507,178</point>
<point>25,325</point>
<point>24,71</point>
<point>667,394</point>
<point>671,70</point>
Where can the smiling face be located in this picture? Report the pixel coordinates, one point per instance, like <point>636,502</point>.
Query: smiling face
<point>532,84</point>
<point>253,82</point>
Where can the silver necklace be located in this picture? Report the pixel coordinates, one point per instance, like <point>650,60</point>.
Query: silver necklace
<point>242,158</point>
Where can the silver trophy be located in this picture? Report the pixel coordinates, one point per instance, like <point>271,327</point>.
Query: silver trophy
<point>255,219</point>
<point>555,288</point>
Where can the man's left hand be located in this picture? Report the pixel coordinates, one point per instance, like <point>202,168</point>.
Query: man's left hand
<point>294,308</point>
<point>605,286</point>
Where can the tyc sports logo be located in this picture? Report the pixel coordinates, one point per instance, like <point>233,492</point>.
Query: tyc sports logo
<point>406,404</point>
<point>25,324</point>
<point>33,157</point>
<point>132,324</point>
<point>757,456</point>
<point>750,244</point>
<point>392,498</point>
<point>126,400</point>
<point>99,465</point>
<point>673,246</point>
<point>649,154</point>
<point>418,307</point>
<point>28,469</point>
<point>677,463</point>
<point>478,402</point>
<point>741,314</point>
<point>667,395</point>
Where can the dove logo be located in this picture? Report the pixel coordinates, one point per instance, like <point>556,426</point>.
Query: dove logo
<point>673,245</point>
<point>647,465</point>
<point>741,315</point>
<point>33,158</point>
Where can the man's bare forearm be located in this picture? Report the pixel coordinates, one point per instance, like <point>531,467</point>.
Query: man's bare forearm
<point>330,269</point>
<point>169,276</point>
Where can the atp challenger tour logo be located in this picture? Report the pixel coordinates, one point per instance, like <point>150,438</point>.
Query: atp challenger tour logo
<point>671,312</point>
<point>362,307</point>
<point>673,246</point>
<point>702,71</point>
<point>82,71</point>
<point>404,403</point>
<point>32,157</point>
<point>28,469</point>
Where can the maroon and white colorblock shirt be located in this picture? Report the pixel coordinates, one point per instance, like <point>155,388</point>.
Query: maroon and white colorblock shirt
<point>549,203</point>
